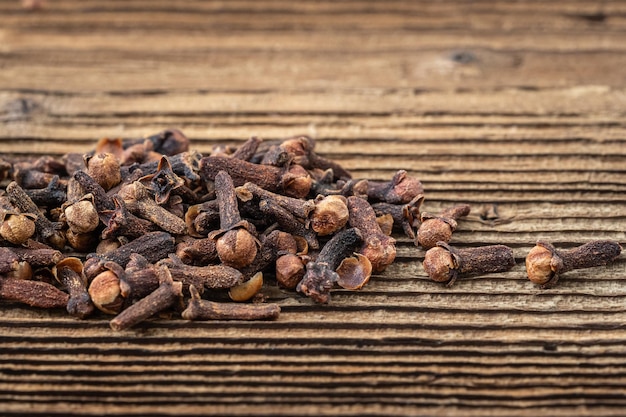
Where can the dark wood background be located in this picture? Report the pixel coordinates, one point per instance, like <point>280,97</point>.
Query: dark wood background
<point>516,108</point>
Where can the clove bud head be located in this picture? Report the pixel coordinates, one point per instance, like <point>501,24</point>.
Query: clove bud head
<point>105,169</point>
<point>435,230</point>
<point>330,214</point>
<point>236,248</point>
<point>105,292</point>
<point>540,265</point>
<point>17,228</point>
<point>439,264</point>
<point>82,216</point>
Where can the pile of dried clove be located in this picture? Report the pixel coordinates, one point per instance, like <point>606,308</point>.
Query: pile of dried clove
<point>142,227</point>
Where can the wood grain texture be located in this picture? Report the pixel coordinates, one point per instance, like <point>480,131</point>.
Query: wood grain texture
<point>516,108</point>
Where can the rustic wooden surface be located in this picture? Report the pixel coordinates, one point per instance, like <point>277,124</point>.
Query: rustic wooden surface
<point>516,108</point>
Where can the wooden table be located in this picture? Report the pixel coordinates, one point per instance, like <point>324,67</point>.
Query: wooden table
<point>513,107</point>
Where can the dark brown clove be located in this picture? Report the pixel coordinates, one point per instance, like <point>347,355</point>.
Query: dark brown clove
<point>300,150</point>
<point>400,190</point>
<point>199,309</point>
<point>288,222</point>
<point>210,276</point>
<point>101,199</point>
<point>153,246</point>
<point>34,293</point>
<point>235,244</point>
<point>246,151</point>
<point>123,223</point>
<point>163,182</point>
<point>444,263</point>
<point>379,248</point>
<point>8,260</point>
<point>45,228</point>
<point>168,293</point>
<point>197,251</point>
<point>293,180</point>
<point>169,142</point>
<point>52,195</point>
<point>406,217</point>
<point>320,275</point>
<point>439,228</point>
<point>545,264</point>
<point>69,272</point>
<point>298,207</point>
<point>139,202</point>
<point>38,257</point>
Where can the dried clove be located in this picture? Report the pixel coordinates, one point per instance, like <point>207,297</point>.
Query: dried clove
<point>293,180</point>
<point>104,168</point>
<point>52,195</point>
<point>8,260</point>
<point>544,263</point>
<point>199,309</point>
<point>379,248</point>
<point>153,246</point>
<point>401,189</point>
<point>320,275</point>
<point>439,228</point>
<point>69,272</point>
<point>235,244</point>
<point>444,263</point>
<point>123,223</point>
<point>168,293</point>
<point>34,293</point>
<point>139,202</point>
<point>45,228</point>
<point>406,217</point>
<point>210,276</point>
<point>288,222</point>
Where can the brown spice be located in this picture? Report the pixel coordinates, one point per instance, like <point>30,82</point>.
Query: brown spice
<point>199,309</point>
<point>444,263</point>
<point>168,294</point>
<point>439,228</point>
<point>544,263</point>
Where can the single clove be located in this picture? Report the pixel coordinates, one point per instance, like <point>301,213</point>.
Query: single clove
<point>320,275</point>
<point>235,244</point>
<point>406,217</point>
<point>45,228</point>
<point>69,272</point>
<point>288,222</point>
<point>379,248</point>
<point>139,202</point>
<point>153,246</point>
<point>544,263</point>
<point>210,276</point>
<point>199,309</point>
<point>439,228</point>
<point>292,180</point>
<point>168,293</point>
<point>34,293</point>
<point>123,223</point>
<point>401,189</point>
<point>445,263</point>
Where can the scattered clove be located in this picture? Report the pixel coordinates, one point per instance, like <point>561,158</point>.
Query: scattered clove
<point>544,263</point>
<point>445,263</point>
<point>199,309</point>
<point>439,228</point>
<point>168,293</point>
